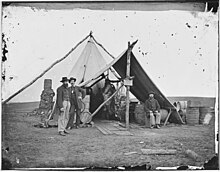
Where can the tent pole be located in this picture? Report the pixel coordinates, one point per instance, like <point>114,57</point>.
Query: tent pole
<point>51,66</point>
<point>127,86</point>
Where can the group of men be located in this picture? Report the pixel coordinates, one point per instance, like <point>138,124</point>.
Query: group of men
<point>68,102</point>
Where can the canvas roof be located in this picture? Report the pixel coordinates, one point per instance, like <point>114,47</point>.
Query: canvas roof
<point>142,84</point>
<point>89,63</point>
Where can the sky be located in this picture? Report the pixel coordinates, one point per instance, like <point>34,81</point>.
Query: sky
<point>177,49</point>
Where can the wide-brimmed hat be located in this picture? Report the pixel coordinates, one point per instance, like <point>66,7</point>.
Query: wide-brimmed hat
<point>151,92</point>
<point>72,79</point>
<point>64,79</point>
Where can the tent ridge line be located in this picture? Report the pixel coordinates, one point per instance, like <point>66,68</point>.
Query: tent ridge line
<point>45,71</point>
<point>102,47</point>
<point>106,52</point>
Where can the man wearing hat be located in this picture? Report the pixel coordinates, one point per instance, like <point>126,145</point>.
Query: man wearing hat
<point>63,106</point>
<point>152,109</point>
<point>76,96</point>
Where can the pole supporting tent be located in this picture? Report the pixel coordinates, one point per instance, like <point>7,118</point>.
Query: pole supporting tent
<point>45,71</point>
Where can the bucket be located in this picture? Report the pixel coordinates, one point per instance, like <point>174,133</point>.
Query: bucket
<point>192,116</point>
<point>47,84</point>
<point>181,105</point>
<point>206,115</point>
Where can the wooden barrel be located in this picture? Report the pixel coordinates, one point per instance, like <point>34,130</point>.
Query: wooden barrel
<point>139,114</point>
<point>163,114</point>
<point>206,115</point>
<point>47,84</point>
<point>192,116</point>
<point>181,105</point>
<point>86,102</point>
<point>182,113</point>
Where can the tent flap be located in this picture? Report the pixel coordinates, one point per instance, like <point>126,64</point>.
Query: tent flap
<point>142,84</point>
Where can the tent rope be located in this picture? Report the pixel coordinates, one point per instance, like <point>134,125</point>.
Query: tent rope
<point>102,47</point>
<point>51,66</point>
<point>113,71</point>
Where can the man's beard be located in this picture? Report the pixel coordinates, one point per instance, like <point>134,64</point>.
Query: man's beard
<point>65,85</point>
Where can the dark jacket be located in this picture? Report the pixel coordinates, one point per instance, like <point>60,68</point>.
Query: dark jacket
<point>60,96</point>
<point>76,100</point>
<point>151,105</point>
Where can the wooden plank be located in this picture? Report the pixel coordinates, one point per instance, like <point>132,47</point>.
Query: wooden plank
<point>130,153</point>
<point>159,151</point>
<point>121,128</point>
<point>123,133</point>
<point>111,128</point>
<point>167,117</point>
<point>103,131</point>
<point>108,131</point>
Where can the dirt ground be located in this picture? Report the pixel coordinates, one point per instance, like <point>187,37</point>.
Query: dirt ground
<point>31,147</point>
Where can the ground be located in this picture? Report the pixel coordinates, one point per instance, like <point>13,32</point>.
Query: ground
<point>31,147</point>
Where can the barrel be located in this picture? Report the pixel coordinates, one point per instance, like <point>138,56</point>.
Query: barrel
<point>206,115</point>
<point>163,114</point>
<point>182,113</point>
<point>47,84</point>
<point>86,102</point>
<point>192,116</point>
<point>181,105</point>
<point>139,114</point>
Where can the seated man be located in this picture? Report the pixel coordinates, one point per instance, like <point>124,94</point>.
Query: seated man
<point>152,109</point>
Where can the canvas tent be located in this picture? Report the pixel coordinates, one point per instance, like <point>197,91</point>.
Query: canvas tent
<point>142,84</point>
<point>89,63</point>
<point>91,66</point>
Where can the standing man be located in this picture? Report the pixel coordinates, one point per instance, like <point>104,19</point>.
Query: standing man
<point>63,106</point>
<point>152,109</point>
<point>76,103</point>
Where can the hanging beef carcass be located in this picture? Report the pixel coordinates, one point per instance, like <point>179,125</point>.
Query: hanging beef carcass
<point>109,107</point>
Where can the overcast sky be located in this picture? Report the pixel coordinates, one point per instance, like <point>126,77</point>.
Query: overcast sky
<point>177,49</point>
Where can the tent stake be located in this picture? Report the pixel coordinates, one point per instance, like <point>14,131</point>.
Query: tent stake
<point>51,66</point>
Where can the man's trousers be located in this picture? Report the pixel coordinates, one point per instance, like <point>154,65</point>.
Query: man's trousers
<point>63,116</point>
<point>154,118</point>
<point>74,111</point>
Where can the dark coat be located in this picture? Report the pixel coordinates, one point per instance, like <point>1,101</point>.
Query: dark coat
<point>79,92</point>
<point>151,105</point>
<point>60,96</point>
